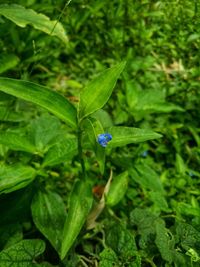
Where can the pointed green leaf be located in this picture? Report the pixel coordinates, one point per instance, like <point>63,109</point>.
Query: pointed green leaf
<point>23,253</point>
<point>8,61</point>
<point>117,189</point>
<point>48,211</point>
<point>95,95</point>
<point>16,142</point>
<point>42,96</point>
<point>80,205</point>
<point>22,16</point>
<point>15,177</point>
<point>126,135</point>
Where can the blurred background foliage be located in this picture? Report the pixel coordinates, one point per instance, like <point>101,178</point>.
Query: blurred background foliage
<point>160,40</point>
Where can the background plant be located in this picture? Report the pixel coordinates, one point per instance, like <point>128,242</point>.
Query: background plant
<point>157,215</point>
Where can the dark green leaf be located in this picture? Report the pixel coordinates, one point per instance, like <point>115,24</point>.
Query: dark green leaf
<point>48,211</point>
<point>22,254</point>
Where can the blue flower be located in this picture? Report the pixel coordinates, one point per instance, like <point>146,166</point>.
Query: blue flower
<point>103,139</point>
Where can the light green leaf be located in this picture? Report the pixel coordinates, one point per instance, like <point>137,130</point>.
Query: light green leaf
<point>8,61</point>
<point>126,135</point>
<point>42,96</point>
<point>95,95</point>
<point>48,212</point>
<point>15,177</point>
<point>23,254</point>
<point>64,149</point>
<point>22,16</point>
<point>108,258</point>
<point>117,189</point>
<point>16,142</point>
<point>80,205</point>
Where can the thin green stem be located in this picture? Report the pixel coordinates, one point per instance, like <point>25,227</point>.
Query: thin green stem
<point>80,151</point>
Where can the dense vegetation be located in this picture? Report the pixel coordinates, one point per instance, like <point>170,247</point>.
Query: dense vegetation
<point>69,194</point>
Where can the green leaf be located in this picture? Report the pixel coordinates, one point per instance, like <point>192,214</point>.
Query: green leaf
<point>164,241</point>
<point>121,240</point>
<point>42,96</point>
<point>23,254</point>
<point>146,177</point>
<point>16,142</point>
<point>126,135</point>
<point>48,212</point>
<point>10,234</point>
<point>15,177</point>
<point>95,95</point>
<point>108,258</point>
<point>22,16</point>
<point>79,206</point>
<point>61,151</point>
<point>188,235</point>
<point>8,61</point>
<point>117,189</point>
<point>43,130</point>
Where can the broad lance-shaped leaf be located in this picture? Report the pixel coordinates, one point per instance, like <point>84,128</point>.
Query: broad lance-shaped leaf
<point>80,205</point>
<point>22,16</point>
<point>16,142</point>
<point>122,136</point>
<point>42,96</point>
<point>48,211</point>
<point>23,253</point>
<point>15,177</point>
<point>95,95</point>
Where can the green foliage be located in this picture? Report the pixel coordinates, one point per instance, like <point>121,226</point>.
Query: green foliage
<point>22,16</point>
<point>139,192</point>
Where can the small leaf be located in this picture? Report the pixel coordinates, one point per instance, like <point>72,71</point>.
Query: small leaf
<point>42,96</point>
<point>15,177</point>
<point>23,254</point>
<point>22,16</point>
<point>117,189</point>
<point>8,61</point>
<point>108,258</point>
<point>95,95</point>
<point>164,241</point>
<point>80,205</point>
<point>16,142</point>
<point>126,135</point>
<point>48,211</point>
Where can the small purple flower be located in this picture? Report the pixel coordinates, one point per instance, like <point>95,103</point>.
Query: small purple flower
<point>103,139</point>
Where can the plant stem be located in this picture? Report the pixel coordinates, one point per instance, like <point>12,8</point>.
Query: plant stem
<point>80,151</point>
